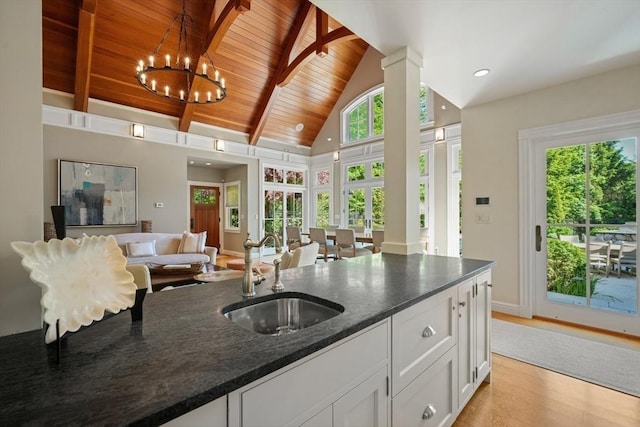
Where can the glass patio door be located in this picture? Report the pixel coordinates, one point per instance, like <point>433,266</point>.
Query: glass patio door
<point>281,207</point>
<point>364,207</point>
<point>586,208</point>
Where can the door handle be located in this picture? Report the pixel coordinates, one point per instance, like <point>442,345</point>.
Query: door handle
<point>538,239</point>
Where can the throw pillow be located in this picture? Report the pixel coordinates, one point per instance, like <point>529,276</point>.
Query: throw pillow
<point>192,242</point>
<point>141,249</point>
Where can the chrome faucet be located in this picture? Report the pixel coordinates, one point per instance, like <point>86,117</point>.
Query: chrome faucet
<point>248,281</point>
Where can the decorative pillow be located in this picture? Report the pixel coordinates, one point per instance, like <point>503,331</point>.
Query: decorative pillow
<point>192,242</point>
<point>141,249</point>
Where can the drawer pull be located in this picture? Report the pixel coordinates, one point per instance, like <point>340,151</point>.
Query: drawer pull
<point>429,412</point>
<point>463,303</point>
<point>428,332</point>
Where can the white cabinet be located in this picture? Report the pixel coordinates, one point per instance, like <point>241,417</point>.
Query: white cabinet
<point>474,335</point>
<point>431,399</point>
<point>349,377</point>
<point>420,335</point>
<point>365,405</point>
<point>213,414</point>
<point>419,367</point>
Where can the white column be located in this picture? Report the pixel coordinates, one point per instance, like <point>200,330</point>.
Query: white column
<point>21,159</point>
<point>401,152</point>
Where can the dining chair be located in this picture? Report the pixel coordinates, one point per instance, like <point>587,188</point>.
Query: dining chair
<point>378,238</point>
<point>326,251</point>
<point>294,237</point>
<point>346,242</point>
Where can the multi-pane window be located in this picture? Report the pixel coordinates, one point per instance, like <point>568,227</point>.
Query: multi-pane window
<point>321,198</point>
<point>364,118</point>
<point>283,199</point>
<point>232,205</point>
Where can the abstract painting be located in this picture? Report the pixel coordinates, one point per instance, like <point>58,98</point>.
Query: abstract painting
<point>96,194</point>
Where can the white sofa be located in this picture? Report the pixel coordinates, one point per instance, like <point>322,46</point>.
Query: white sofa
<point>166,249</point>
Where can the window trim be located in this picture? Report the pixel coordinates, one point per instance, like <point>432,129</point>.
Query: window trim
<point>368,96</point>
<point>228,227</point>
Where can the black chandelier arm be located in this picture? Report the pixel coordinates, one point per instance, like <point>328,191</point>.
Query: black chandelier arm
<point>209,97</point>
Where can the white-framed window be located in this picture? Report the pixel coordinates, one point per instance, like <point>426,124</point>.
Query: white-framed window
<point>363,119</point>
<point>363,184</point>
<point>322,203</point>
<point>284,199</point>
<point>454,193</point>
<point>232,206</point>
<point>427,198</point>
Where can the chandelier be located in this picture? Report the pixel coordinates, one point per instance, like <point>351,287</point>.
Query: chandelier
<point>175,80</point>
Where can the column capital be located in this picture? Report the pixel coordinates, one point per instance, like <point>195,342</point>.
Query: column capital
<point>405,53</point>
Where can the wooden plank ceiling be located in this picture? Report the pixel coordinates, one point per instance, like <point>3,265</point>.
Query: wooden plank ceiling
<point>284,61</point>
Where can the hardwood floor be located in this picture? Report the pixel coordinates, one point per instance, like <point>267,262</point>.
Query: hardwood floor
<point>525,395</point>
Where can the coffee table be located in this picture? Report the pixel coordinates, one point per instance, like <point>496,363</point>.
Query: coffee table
<point>159,281</point>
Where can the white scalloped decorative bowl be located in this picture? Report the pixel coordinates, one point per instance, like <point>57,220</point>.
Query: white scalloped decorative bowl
<point>80,280</point>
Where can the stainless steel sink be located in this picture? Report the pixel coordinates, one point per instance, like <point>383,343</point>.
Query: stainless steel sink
<point>281,314</point>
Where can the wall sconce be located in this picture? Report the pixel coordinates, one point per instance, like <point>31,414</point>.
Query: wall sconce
<point>439,135</point>
<point>137,130</point>
<point>219,145</point>
<point>336,156</point>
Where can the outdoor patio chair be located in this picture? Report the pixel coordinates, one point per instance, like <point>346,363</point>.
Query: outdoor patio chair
<point>599,256</point>
<point>624,257</point>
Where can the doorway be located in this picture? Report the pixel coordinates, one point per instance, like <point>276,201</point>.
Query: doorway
<point>205,212</point>
<point>580,236</point>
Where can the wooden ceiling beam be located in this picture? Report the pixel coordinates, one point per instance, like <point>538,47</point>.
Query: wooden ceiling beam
<point>270,94</point>
<point>214,36</point>
<point>322,28</point>
<point>84,51</point>
<point>338,35</point>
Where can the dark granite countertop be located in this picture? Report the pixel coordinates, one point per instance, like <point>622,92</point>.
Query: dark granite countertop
<point>185,353</point>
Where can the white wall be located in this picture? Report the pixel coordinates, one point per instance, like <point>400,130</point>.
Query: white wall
<point>490,161</point>
<point>20,158</point>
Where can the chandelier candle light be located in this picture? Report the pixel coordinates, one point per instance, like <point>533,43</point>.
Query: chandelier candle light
<point>175,82</point>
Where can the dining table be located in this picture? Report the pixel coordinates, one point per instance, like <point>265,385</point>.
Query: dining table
<point>360,237</point>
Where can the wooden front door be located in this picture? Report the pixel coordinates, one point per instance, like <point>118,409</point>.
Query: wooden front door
<point>205,213</point>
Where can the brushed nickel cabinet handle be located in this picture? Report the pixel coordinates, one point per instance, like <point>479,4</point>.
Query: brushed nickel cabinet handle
<point>428,332</point>
<point>429,412</point>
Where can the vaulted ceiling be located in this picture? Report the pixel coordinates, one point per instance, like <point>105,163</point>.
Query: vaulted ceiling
<point>285,61</point>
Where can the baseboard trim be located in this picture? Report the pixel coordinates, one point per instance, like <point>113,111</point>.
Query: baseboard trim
<point>506,308</point>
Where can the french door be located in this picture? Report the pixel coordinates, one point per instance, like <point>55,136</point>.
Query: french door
<point>281,208</point>
<point>585,215</point>
<point>364,206</point>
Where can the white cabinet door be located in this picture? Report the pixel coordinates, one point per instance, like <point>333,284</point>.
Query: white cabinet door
<point>483,327</point>
<point>213,414</point>
<point>365,405</point>
<point>420,335</point>
<point>466,341</point>
<point>323,418</point>
<point>432,398</point>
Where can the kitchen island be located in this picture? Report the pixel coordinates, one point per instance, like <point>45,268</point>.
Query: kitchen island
<point>185,353</point>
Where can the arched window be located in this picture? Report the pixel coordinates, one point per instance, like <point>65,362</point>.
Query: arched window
<point>363,119</point>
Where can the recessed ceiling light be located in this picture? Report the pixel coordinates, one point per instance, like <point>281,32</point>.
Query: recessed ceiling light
<point>191,162</point>
<point>329,139</point>
<point>299,127</point>
<point>444,107</point>
<point>481,72</point>
<point>208,164</point>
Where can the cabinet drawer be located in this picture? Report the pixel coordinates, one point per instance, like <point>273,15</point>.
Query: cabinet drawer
<point>420,335</point>
<point>430,400</point>
<point>292,396</point>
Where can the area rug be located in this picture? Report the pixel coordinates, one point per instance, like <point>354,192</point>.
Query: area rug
<point>607,365</point>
